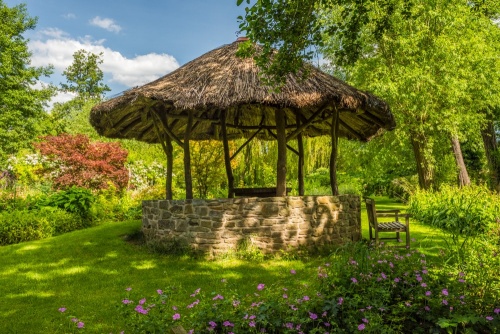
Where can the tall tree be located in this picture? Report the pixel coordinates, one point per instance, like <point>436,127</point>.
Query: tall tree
<point>21,102</point>
<point>84,77</point>
<point>435,62</point>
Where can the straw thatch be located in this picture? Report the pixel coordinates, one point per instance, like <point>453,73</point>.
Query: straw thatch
<point>219,81</point>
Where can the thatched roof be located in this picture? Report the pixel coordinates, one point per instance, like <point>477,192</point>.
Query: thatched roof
<point>221,81</point>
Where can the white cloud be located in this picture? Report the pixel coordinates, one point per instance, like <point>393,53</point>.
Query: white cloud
<point>69,16</point>
<point>105,23</point>
<point>58,50</point>
<point>53,32</point>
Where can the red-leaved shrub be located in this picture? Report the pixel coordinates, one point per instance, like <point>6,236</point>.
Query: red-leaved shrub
<point>73,160</point>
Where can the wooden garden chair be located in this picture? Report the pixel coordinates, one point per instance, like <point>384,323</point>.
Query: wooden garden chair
<point>387,226</point>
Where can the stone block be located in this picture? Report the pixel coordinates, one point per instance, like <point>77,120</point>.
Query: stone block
<point>193,222</point>
<point>164,205</point>
<point>199,229</point>
<point>166,224</point>
<point>201,241</point>
<point>248,222</point>
<point>295,203</point>
<point>166,215</point>
<point>177,209</point>
<point>181,226</point>
<point>206,223</point>
<point>271,222</point>
<point>269,210</point>
<point>201,211</point>
<point>208,235</point>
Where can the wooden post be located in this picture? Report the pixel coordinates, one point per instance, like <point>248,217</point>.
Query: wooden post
<point>333,156</point>
<point>187,158</point>
<point>227,158</point>
<point>300,146</point>
<point>281,165</point>
<point>169,152</point>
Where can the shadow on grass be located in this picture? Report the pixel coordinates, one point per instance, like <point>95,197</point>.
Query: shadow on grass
<point>87,272</point>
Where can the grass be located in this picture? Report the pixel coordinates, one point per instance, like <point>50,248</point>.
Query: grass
<point>88,271</point>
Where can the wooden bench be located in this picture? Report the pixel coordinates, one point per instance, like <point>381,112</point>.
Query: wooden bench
<point>257,192</point>
<point>392,226</point>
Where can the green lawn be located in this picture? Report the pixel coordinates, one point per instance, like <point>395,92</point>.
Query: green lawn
<point>88,271</point>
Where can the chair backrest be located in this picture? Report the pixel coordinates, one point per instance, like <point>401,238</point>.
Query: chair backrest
<point>372,212</point>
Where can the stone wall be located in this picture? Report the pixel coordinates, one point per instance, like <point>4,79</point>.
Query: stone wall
<point>272,224</point>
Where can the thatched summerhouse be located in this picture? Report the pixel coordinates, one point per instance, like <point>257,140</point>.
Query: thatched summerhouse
<point>220,96</point>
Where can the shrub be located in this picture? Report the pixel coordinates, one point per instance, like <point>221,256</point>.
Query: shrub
<point>23,225</point>
<point>74,200</point>
<point>359,289</point>
<point>73,160</point>
<point>466,212</point>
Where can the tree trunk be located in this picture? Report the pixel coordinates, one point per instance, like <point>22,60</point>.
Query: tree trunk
<point>281,164</point>
<point>170,166</point>
<point>333,156</point>
<point>425,168</point>
<point>187,158</point>
<point>492,154</point>
<point>463,176</point>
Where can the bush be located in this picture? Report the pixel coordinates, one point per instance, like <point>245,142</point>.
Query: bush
<point>359,289</point>
<point>23,225</point>
<point>468,211</point>
<point>74,200</point>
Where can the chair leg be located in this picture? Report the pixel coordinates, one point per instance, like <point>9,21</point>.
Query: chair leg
<point>408,238</point>
<point>397,236</point>
<point>376,237</point>
<point>371,233</point>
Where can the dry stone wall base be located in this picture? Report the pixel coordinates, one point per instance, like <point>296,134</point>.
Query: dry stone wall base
<point>272,224</point>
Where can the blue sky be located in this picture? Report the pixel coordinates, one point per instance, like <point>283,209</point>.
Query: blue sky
<point>141,40</point>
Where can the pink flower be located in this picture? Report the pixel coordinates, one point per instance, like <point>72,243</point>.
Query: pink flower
<point>228,324</point>
<point>218,297</point>
<point>285,296</point>
<point>159,291</point>
<point>305,298</point>
<point>293,272</point>
<point>361,327</point>
<point>354,280</point>
<point>176,316</point>
<point>251,324</point>
<point>128,289</point>
<point>80,324</point>
<point>497,311</point>
<point>444,292</point>
<point>341,301</point>
<point>445,302</point>
<point>313,316</point>
<point>260,287</point>
<point>142,301</point>
<point>427,293</point>
<point>489,318</point>
<point>126,301</point>
<point>62,309</point>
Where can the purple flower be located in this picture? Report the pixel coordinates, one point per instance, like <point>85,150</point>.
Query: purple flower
<point>251,324</point>
<point>218,297</point>
<point>489,318</point>
<point>327,324</point>
<point>126,301</point>
<point>445,292</point>
<point>212,324</point>
<point>461,280</point>
<point>423,285</point>
<point>427,293</point>
<point>497,311</point>
<point>128,289</point>
<point>160,292</point>
<point>285,296</point>
<point>397,280</point>
<point>74,319</point>
<point>293,272</point>
<point>305,298</point>
<point>341,301</point>
<point>289,325</point>
<point>80,324</point>
<point>236,303</point>
<point>427,308</point>
<point>354,280</point>
<point>197,291</point>
<point>176,316</point>
<point>361,327</point>
<point>142,301</point>
<point>383,275</point>
<point>62,309</point>
<point>260,287</point>
<point>419,278</point>
<point>228,324</point>
<point>364,320</point>
<point>140,309</point>
<point>445,302</point>
<point>313,316</point>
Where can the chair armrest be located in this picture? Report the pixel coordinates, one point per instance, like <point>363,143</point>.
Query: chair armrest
<point>388,211</point>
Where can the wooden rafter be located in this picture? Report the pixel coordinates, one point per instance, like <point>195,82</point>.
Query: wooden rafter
<point>308,122</point>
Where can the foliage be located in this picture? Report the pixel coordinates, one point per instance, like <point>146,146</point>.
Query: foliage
<point>73,200</point>
<point>21,103</point>
<point>26,225</point>
<point>73,160</point>
<point>84,76</point>
<point>358,289</point>
<point>463,214</point>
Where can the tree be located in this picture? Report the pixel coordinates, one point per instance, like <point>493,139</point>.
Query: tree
<point>73,160</point>
<point>21,103</point>
<point>434,62</point>
<point>84,76</point>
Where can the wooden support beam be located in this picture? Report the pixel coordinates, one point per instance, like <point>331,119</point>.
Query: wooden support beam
<point>166,144</point>
<point>187,157</point>
<point>350,130</point>
<point>256,127</point>
<point>245,144</point>
<point>300,167</point>
<point>227,159</point>
<point>279,115</point>
<point>370,117</point>
<point>333,156</point>
<point>195,118</point>
<point>287,146</point>
<point>304,125</point>
<point>167,129</point>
